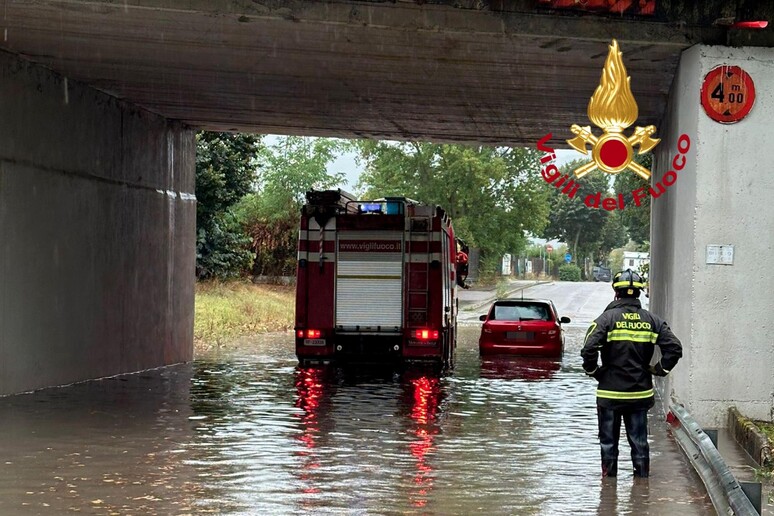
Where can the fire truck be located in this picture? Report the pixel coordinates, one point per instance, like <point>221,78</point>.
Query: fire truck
<point>376,281</point>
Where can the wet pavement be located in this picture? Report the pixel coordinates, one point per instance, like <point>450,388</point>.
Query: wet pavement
<point>249,432</point>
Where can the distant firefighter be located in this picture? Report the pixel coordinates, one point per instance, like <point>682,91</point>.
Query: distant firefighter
<point>462,268</point>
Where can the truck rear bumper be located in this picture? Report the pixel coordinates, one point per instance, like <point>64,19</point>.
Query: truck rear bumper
<point>353,346</point>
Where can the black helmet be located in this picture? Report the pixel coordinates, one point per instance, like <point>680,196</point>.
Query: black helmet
<point>628,283</point>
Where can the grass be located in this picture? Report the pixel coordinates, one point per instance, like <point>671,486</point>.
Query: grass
<point>227,311</point>
<point>766,428</point>
<point>766,472</point>
<point>502,289</point>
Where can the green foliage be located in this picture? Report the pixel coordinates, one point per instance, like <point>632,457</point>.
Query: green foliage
<point>613,236</point>
<point>271,216</point>
<point>589,232</point>
<point>615,260</point>
<point>494,195</point>
<point>636,219</point>
<point>569,272</point>
<point>222,248</point>
<point>273,234</point>
<point>571,221</point>
<point>292,167</point>
<point>225,171</point>
<point>644,271</point>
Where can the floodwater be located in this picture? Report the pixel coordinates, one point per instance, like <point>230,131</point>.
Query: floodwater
<point>249,432</point>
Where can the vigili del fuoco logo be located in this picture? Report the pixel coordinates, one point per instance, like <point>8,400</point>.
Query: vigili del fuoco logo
<point>613,109</point>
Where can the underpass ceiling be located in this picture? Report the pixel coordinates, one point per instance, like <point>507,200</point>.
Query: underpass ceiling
<point>352,69</point>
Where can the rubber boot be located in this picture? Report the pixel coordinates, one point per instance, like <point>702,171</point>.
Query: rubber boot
<point>609,468</point>
<point>641,468</point>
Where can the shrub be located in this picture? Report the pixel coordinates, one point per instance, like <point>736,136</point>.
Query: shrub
<point>569,273</point>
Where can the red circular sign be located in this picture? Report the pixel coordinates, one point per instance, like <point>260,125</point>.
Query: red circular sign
<point>727,94</point>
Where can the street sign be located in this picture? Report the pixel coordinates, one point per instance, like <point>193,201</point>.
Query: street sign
<point>549,248</point>
<point>727,94</point>
<point>567,257</point>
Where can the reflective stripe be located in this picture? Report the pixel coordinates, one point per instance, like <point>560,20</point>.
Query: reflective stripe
<point>632,335</point>
<point>616,395</point>
<point>590,331</point>
<point>624,284</point>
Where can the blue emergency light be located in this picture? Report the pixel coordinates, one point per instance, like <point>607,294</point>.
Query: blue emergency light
<point>371,207</point>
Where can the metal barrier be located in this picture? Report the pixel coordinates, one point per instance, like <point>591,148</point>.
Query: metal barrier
<point>724,490</point>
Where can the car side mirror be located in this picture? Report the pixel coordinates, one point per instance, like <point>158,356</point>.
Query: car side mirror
<point>564,320</point>
<point>482,317</point>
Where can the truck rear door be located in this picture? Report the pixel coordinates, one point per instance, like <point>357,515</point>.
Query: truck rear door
<point>369,279</point>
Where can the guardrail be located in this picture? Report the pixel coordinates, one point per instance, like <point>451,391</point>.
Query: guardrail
<point>724,490</point>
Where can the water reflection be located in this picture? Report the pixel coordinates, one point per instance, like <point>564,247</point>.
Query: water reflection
<point>313,390</point>
<point>373,427</point>
<point>252,433</point>
<point>519,368</point>
<point>116,446</point>
<point>425,395</point>
<point>636,499</point>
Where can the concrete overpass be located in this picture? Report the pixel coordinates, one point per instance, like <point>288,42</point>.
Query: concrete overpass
<point>99,101</point>
<point>505,72</point>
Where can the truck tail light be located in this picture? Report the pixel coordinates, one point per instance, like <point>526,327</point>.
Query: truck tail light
<point>309,334</point>
<point>426,334</point>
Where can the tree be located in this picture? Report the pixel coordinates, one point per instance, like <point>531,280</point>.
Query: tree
<point>493,195</point>
<point>226,169</point>
<point>571,221</point>
<point>270,215</point>
<point>613,236</point>
<point>636,219</point>
<point>590,232</point>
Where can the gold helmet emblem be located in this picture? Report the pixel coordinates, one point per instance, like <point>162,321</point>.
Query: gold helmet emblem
<point>612,108</point>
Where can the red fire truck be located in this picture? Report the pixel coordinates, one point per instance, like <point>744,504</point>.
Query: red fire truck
<point>376,280</point>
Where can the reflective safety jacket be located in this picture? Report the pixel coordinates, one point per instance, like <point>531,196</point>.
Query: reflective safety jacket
<point>625,335</point>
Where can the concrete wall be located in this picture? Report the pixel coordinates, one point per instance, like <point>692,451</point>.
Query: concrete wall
<point>97,229</point>
<point>723,196</point>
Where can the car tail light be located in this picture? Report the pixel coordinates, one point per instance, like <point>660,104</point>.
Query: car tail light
<point>426,334</point>
<point>309,334</point>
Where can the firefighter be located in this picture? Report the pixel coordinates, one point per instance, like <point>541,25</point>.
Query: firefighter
<point>624,335</point>
<point>462,268</point>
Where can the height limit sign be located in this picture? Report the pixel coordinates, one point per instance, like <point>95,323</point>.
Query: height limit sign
<point>727,94</point>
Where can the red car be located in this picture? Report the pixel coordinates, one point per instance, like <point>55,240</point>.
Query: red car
<point>522,327</point>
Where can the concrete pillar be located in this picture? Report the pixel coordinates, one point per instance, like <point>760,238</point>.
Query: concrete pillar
<point>97,233</point>
<point>724,194</point>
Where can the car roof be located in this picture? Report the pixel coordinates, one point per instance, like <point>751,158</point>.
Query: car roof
<point>520,300</point>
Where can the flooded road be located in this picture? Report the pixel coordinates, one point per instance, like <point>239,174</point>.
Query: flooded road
<point>249,432</point>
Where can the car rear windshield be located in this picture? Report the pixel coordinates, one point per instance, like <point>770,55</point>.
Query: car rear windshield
<point>521,312</point>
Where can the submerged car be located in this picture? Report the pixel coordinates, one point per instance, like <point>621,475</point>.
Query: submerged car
<point>522,327</point>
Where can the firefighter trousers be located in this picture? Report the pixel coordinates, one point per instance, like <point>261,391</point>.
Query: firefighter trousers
<point>636,423</point>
